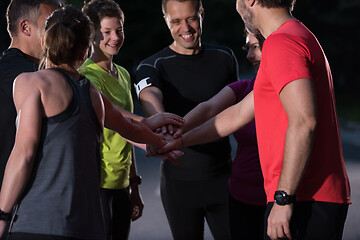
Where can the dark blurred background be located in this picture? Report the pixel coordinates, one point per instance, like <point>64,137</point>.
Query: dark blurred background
<point>336,24</point>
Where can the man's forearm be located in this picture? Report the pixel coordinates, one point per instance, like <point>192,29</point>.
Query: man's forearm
<point>223,124</point>
<point>298,145</point>
<point>151,99</point>
<point>299,102</point>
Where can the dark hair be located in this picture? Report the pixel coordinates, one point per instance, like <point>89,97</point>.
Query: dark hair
<point>196,3</point>
<point>259,37</point>
<point>29,9</point>
<point>68,32</point>
<point>289,4</point>
<point>98,9</point>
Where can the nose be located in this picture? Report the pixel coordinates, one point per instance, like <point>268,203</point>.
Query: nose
<point>115,36</point>
<point>250,54</point>
<point>185,26</point>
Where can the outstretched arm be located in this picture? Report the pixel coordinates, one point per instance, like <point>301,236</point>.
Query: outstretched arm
<point>152,103</point>
<point>155,120</point>
<point>223,124</point>
<point>208,109</point>
<point>27,100</point>
<point>128,127</point>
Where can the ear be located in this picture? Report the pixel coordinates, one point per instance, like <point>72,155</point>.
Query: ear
<point>166,21</point>
<point>250,3</point>
<point>24,27</point>
<point>42,43</point>
<point>85,55</point>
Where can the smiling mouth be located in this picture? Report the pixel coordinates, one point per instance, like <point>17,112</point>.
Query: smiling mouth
<point>113,45</point>
<point>187,36</point>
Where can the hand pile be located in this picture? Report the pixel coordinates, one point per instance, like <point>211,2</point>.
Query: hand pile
<point>171,134</point>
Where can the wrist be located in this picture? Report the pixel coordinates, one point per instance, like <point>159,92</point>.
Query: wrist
<point>5,216</point>
<point>184,141</point>
<point>135,181</point>
<point>144,121</point>
<point>282,198</point>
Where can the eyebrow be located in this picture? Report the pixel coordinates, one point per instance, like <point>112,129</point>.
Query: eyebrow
<point>111,28</point>
<point>179,19</point>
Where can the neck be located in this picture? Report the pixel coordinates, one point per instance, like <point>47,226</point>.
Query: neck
<point>184,51</point>
<point>25,48</point>
<point>270,19</point>
<point>104,61</point>
<point>65,67</point>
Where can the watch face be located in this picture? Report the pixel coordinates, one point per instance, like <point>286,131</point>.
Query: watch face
<point>280,197</point>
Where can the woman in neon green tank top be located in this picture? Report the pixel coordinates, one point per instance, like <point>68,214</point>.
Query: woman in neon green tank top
<point>120,195</point>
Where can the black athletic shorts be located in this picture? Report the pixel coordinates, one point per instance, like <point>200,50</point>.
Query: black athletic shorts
<point>315,220</point>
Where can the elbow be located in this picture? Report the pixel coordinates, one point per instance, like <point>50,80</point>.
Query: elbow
<point>26,156</point>
<point>306,123</point>
<point>206,109</point>
<point>312,124</point>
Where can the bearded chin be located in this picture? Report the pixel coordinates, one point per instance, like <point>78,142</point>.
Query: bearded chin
<point>252,30</point>
<point>248,21</point>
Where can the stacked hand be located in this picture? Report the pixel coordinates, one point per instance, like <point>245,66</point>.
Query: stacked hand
<point>164,122</point>
<point>171,144</point>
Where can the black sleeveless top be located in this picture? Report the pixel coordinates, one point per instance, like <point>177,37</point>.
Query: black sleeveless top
<point>62,196</point>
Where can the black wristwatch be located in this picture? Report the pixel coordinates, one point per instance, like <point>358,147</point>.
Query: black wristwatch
<point>135,180</point>
<point>5,216</point>
<point>282,198</point>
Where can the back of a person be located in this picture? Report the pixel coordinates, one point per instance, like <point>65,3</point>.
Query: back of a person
<point>326,155</point>
<point>65,185</point>
<point>12,63</point>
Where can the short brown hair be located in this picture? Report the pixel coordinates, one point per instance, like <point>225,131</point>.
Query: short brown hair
<point>197,4</point>
<point>19,9</point>
<point>98,9</point>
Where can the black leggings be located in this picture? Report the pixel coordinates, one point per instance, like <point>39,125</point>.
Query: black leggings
<point>188,203</point>
<point>116,207</point>
<point>315,220</point>
<point>246,221</point>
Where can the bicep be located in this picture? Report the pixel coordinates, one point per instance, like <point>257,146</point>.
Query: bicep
<point>29,106</point>
<point>299,99</point>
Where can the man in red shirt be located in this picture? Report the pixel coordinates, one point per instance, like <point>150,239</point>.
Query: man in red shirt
<point>293,102</point>
<point>298,135</point>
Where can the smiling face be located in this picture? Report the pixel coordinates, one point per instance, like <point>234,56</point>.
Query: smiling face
<point>185,25</point>
<point>253,51</point>
<point>110,36</point>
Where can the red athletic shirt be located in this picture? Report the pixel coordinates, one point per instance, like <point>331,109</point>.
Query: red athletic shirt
<point>290,53</point>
